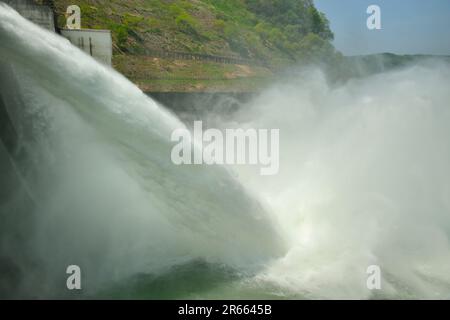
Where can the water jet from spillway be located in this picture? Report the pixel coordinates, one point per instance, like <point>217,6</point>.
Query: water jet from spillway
<point>108,197</point>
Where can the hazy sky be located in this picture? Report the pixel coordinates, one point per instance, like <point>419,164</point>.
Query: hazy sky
<point>408,26</point>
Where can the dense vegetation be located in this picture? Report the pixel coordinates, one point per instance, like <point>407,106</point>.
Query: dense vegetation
<point>259,29</point>
<point>277,32</point>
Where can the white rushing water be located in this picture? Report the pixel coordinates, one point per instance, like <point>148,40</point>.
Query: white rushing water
<point>364,179</point>
<point>108,197</point>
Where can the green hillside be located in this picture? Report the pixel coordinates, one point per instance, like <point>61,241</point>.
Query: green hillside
<point>272,33</point>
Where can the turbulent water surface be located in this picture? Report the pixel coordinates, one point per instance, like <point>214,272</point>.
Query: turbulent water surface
<point>364,179</point>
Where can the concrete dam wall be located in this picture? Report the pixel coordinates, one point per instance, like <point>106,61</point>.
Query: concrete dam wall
<point>96,43</point>
<point>40,15</point>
